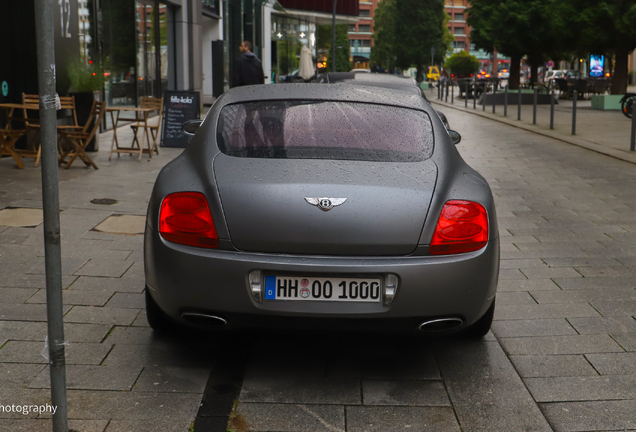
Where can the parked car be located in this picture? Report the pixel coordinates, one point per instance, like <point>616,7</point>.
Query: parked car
<point>573,74</point>
<point>554,74</point>
<point>312,206</point>
<point>503,74</point>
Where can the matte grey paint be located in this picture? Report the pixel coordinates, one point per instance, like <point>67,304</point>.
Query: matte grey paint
<point>182,277</point>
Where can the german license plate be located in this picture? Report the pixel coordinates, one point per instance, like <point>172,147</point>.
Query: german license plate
<point>322,289</point>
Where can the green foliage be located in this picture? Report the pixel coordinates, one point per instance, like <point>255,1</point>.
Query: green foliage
<point>406,30</point>
<point>343,51</point>
<point>462,63</point>
<point>83,77</point>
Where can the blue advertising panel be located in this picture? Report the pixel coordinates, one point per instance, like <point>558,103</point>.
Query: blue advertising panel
<point>596,66</point>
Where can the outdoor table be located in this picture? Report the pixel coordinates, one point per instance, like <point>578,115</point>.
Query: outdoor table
<point>9,136</point>
<point>136,146</point>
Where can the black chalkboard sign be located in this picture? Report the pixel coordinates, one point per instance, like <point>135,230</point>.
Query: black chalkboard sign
<point>179,107</point>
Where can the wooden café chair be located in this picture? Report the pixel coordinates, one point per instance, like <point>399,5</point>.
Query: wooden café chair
<point>157,104</point>
<point>79,139</point>
<point>66,102</point>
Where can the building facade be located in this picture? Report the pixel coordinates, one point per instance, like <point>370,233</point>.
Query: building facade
<point>361,35</point>
<point>457,25</point>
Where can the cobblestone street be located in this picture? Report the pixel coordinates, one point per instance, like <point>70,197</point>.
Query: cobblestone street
<point>561,355</point>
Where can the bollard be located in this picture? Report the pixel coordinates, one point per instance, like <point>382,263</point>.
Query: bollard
<point>519,104</point>
<point>474,94</point>
<point>452,92</point>
<point>446,91</point>
<point>534,106</point>
<point>506,101</point>
<point>552,110</point>
<point>483,98</point>
<point>494,92</point>
<point>466,96</point>
<point>574,96</point>
<point>632,146</point>
<point>438,86</point>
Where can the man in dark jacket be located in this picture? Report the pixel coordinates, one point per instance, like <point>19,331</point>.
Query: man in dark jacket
<point>248,69</point>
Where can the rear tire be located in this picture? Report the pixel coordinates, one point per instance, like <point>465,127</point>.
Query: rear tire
<point>482,326</point>
<point>158,320</point>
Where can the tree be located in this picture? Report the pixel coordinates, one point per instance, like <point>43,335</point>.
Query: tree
<point>343,50</point>
<point>406,30</point>
<point>516,28</point>
<point>603,27</point>
<point>462,63</point>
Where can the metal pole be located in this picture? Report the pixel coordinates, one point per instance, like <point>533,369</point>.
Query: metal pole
<point>574,96</point>
<point>452,92</point>
<point>519,104</point>
<point>632,146</point>
<point>446,91</point>
<point>466,95</point>
<point>506,101</point>
<point>494,92</point>
<point>333,38</point>
<point>483,97</point>
<point>552,109</point>
<point>534,106</point>
<point>50,200</point>
<point>474,93</point>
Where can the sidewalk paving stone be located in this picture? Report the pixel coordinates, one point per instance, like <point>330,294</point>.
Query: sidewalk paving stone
<point>615,308</point>
<point>615,324</point>
<point>404,393</point>
<point>280,389</point>
<point>530,366</point>
<point>613,363</point>
<point>31,352</point>
<point>585,295</point>
<point>97,315</point>
<point>554,345</point>
<point>566,389</point>
<point>104,267</point>
<point>135,301</point>
<point>626,340</point>
<point>113,284</point>
<point>288,418</point>
<point>592,416</point>
<point>43,425</point>
<point>16,295</point>
<point>549,310</point>
<point>24,312</point>
<point>533,327</point>
<point>76,297</point>
<point>168,425</point>
<point>85,377</point>
<point>399,419</point>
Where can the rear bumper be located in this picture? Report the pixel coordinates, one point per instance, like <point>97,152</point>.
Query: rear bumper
<point>183,278</point>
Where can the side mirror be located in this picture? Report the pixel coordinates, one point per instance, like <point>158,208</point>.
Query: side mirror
<point>191,126</point>
<point>455,136</point>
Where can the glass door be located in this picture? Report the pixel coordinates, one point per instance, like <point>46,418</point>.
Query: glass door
<point>146,49</point>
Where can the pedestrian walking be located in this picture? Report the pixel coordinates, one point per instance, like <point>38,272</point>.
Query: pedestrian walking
<point>248,69</point>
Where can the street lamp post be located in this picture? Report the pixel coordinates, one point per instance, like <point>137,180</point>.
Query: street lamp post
<point>333,39</point>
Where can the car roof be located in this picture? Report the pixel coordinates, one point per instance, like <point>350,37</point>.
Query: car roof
<point>344,93</point>
<point>360,78</point>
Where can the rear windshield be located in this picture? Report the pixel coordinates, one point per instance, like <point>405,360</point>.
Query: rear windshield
<point>324,130</point>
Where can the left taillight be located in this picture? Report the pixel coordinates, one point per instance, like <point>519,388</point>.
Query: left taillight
<point>185,218</point>
<point>462,227</point>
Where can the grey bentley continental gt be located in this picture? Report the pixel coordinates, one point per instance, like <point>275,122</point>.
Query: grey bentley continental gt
<point>322,207</point>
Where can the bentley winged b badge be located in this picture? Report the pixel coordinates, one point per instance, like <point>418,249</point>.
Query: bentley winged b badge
<point>325,203</point>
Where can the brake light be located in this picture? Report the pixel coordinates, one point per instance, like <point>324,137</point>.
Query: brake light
<point>185,218</point>
<point>462,227</point>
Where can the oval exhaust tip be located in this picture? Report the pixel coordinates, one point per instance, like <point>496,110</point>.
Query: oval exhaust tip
<point>204,320</point>
<point>440,325</point>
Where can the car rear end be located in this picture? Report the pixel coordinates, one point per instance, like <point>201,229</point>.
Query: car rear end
<point>322,214</point>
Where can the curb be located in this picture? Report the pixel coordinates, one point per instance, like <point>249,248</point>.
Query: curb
<point>607,151</point>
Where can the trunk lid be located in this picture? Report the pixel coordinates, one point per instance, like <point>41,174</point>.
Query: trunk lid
<point>265,208</point>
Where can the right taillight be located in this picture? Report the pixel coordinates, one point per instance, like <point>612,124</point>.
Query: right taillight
<point>462,227</point>
<point>185,218</point>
